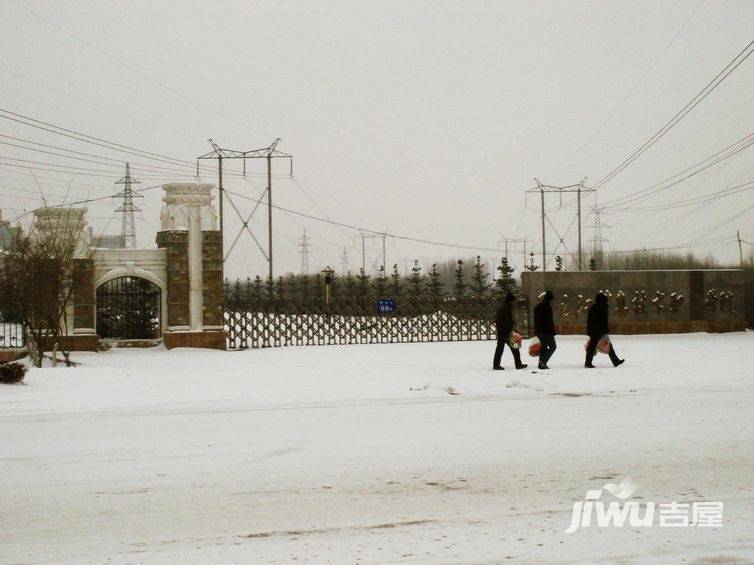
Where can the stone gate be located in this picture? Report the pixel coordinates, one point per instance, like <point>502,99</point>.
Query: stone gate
<point>186,267</point>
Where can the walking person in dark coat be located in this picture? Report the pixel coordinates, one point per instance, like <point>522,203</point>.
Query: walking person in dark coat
<point>504,324</point>
<point>544,328</point>
<point>596,327</point>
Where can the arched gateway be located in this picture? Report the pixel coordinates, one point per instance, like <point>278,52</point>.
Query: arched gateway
<point>173,292</point>
<point>128,308</point>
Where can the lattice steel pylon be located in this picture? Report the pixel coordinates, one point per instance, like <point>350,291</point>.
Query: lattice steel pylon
<point>127,209</point>
<point>598,240</point>
<point>304,245</point>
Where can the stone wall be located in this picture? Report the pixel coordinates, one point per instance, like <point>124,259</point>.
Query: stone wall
<point>645,301</point>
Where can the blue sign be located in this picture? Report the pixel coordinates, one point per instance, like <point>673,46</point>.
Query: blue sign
<point>386,306</point>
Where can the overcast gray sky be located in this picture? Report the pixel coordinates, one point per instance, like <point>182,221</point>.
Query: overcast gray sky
<point>426,119</point>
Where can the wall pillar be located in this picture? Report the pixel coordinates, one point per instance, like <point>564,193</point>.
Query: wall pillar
<point>83,297</point>
<point>69,224</point>
<point>188,233</point>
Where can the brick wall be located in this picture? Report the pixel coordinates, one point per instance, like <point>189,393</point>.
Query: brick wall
<point>176,244</point>
<point>212,278</point>
<point>83,293</point>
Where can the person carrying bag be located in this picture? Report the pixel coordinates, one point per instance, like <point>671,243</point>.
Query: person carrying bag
<point>597,328</point>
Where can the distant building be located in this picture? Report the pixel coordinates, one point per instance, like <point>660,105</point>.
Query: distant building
<point>7,232</point>
<point>103,241</point>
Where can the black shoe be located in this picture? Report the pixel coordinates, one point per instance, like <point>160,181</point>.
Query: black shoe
<point>619,362</point>
<point>589,366</point>
<point>498,368</point>
<point>522,366</point>
<point>542,366</point>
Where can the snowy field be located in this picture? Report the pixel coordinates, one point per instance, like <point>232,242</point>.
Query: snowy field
<point>379,453</point>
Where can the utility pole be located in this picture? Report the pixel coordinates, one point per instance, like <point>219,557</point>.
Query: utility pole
<point>384,253</point>
<point>363,254</point>
<point>127,209</point>
<point>544,247</point>
<point>740,249</point>
<point>304,246</point>
<point>268,153</point>
<point>578,216</point>
<point>580,189</point>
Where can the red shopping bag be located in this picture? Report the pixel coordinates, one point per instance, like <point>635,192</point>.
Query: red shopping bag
<point>603,345</point>
<point>515,340</point>
<point>534,347</point>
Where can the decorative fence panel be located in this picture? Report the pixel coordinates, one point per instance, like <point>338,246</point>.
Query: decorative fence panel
<point>12,335</point>
<point>343,326</point>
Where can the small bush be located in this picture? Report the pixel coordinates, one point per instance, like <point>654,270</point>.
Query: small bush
<point>11,373</point>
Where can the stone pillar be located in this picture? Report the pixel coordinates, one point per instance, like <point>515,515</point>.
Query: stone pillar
<point>83,297</point>
<point>67,227</point>
<point>190,235</point>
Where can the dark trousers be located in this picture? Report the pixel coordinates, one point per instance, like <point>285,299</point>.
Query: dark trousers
<point>591,348</point>
<point>501,341</point>
<point>547,347</point>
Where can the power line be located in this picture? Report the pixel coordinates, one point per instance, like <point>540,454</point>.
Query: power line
<point>86,138</point>
<point>700,96</point>
<point>84,201</point>
<point>95,104</point>
<point>116,160</point>
<point>145,167</point>
<point>154,174</point>
<point>641,79</point>
<point>701,199</point>
<point>357,228</point>
<point>643,194</point>
<point>234,120</point>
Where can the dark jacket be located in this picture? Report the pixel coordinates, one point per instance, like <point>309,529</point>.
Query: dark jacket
<point>504,319</point>
<point>543,323</point>
<point>596,320</point>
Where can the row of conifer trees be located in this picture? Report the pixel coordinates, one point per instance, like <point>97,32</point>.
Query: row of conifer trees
<point>419,292</point>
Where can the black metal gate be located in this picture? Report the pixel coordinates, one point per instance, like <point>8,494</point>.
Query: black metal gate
<point>128,308</point>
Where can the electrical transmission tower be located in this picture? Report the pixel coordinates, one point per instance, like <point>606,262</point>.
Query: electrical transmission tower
<point>127,209</point>
<point>304,245</point>
<point>344,261</point>
<point>381,235</point>
<point>580,190</point>
<point>268,153</point>
<point>598,240</point>
<point>516,242</point>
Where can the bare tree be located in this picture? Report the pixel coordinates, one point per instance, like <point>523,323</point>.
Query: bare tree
<point>36,278</point>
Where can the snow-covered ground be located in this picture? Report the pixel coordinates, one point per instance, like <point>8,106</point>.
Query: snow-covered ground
<point>379,453</point>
